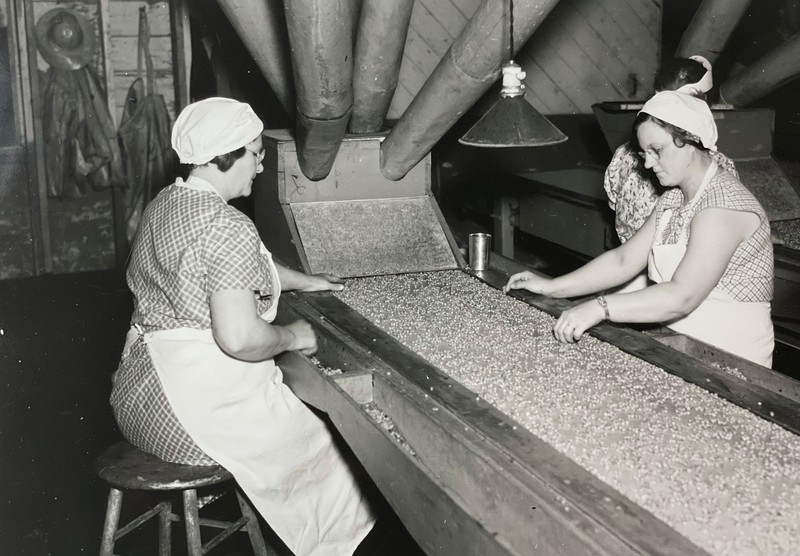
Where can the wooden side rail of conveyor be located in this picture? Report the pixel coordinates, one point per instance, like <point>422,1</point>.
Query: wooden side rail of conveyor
<point>506,488</point>
<point>476,484</point>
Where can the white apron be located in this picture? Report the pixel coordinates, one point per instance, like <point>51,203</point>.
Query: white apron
<point>742,328</point>
<point>280,453</point>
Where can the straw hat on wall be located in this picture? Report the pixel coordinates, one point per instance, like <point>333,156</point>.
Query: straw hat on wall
<point>65,38</point>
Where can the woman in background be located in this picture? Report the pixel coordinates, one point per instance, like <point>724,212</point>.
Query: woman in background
<point>706,245</point>
<point>197,383</point>
<point>632,190</point>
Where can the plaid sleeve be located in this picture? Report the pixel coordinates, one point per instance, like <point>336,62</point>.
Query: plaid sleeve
<point>234,259</point>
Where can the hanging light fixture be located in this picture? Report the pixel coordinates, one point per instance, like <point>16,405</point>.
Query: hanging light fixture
<point>512,121</point>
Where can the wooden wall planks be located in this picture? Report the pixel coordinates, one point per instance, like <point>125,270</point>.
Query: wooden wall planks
<point>81,231</point>
<point>124,27</point>
<point>586,51</point>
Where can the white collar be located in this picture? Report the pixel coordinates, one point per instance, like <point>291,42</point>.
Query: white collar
<point>197,184</point>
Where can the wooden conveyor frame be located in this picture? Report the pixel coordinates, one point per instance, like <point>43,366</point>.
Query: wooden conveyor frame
<point>478,482</point>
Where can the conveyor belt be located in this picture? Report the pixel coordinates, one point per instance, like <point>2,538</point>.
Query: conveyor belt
<point>478,484</point>
<point>486,465</point>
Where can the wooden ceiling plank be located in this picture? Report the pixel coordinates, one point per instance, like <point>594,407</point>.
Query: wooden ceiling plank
<point>447,14</point>
<point>426,26</point>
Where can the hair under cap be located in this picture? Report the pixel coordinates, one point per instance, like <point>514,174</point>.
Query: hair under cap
<point>212,127</point>
<point>689,113</point>
<point>704,84</point>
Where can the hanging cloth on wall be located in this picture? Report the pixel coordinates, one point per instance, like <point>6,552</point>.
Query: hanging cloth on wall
<point>145,135</point>
<point>81,147</point>
<point>80,141</point>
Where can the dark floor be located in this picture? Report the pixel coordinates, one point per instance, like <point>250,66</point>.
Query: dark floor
<point>60,339</point>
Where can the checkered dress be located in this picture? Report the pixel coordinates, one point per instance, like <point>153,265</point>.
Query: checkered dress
<point>750,272</point>
<point>190,244</point>
<point>633,190</point>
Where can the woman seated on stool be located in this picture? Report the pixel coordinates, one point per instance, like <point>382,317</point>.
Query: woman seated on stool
<point>197,383</point>
<point>706,246</point>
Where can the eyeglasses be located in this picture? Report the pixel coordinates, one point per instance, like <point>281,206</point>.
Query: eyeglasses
<point>258,154</point>
<point>654,152</point>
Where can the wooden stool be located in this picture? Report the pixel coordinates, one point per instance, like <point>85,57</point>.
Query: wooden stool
<point>125,467</point>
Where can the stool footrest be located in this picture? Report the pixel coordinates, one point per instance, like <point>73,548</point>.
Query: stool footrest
<point>229,529</point>
<point>134,523</point>
<point>218,524</point>
<point>125,467</point>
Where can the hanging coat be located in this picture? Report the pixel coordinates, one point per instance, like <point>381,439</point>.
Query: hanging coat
<point>80,141</point>
<point>144,134</point>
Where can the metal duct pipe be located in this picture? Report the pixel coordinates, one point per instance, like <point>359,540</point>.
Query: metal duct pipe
<point>261,26</point>
<point>321,40</point>
<point>467,70</point>
<point>763,76</point>
<point>710,28</point>
<point>382,31</point>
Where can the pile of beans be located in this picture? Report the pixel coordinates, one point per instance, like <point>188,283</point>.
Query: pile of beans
<point>726,479</point>
<point>788,231</point>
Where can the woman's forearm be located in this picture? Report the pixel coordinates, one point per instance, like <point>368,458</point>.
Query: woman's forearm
<point>291,279</point>
<point>257,341</point>
<point>657,303</point>
<point>241,333</point>
<point>606,271</point>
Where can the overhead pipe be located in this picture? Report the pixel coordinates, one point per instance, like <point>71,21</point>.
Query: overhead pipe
<point>711,27</point>
<point>261,26</point>
<point>468,69</point>
<point>771,71</point>
<point>382,31</point>
<point>321,40</point>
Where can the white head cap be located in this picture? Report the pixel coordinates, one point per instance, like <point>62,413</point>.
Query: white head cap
<point>706,82</point>
<point>212,127</point>
<point>686,112</point>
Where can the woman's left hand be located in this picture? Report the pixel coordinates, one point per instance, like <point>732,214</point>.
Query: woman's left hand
<point>573,322</point>
<point>323,282</point>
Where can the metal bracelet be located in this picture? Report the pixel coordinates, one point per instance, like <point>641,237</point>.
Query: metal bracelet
<point>604,304</point>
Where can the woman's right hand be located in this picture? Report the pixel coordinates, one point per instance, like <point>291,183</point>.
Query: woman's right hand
<point>305,340</point>
<point>529,281</point>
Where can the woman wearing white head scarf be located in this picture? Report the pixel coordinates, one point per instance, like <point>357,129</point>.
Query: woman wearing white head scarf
<point>197,383</point>
<point>706,246</point>
<point>632,191</point>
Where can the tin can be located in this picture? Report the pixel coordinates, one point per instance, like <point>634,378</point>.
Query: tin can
<point>479,246</point>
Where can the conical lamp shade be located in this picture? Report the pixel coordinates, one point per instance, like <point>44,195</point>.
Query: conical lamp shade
<point>513,122</point>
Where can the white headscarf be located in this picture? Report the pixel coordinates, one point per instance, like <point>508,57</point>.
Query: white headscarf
<point>706,82</point>
<point>212,127</point>
<point>686,112</point>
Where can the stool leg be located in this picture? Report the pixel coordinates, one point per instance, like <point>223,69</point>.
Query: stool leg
<point>253,527</point>
<point>191,515</point>
<point>165,530</point>
<point>111,522</point>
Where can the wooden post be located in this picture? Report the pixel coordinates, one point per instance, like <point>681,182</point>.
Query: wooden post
<point>181,49</point>
<point>34,137</point>
<point>118,209</point>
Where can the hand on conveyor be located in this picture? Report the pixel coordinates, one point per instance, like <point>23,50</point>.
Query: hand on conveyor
<point>305,341</point>
<point>573,322</point>
<point>324,282</point>
<point>527,280</point>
